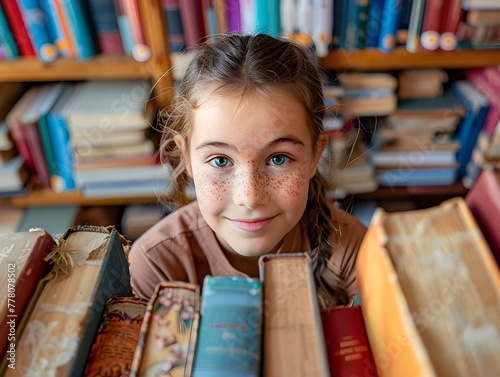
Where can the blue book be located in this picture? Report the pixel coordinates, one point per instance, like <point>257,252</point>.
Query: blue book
<point>81,31</point>
<point>477,107</point>
<point>389,24</point>
<point>375,11</point>
<point>416,177</point>
<point>229,337</point>
<point>63,177</point>
<point>37,24</point>
<point>338,13</point>
<point>8,46</point>
<point>173,22</point>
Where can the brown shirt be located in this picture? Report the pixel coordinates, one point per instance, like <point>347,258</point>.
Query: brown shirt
<point>183,247</point>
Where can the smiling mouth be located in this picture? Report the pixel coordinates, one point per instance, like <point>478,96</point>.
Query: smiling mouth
<point>254,226</point>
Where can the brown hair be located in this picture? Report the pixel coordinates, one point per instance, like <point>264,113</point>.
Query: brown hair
<point>259,63</point>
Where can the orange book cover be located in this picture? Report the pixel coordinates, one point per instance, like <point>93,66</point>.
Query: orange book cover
<point>430,292</point>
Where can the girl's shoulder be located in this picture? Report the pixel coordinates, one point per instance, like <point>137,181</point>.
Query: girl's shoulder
<point>185,221</point>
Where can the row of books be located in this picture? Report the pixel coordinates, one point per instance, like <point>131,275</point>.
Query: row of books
<point>419,130</point>
<point>95,136</point>
<point>350,25</point>
<point>429,290</point>
<point>50,29</point>
<point>92,324</point>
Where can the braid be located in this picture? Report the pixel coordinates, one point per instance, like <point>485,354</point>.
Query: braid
<point>330,285</point>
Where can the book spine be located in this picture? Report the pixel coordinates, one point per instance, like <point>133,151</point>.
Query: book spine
<point>338,11</point>
<point>221,15</point>
<point>191,15</point>
<point>36,23</point>
<point>169,331</point>
<point>80,29</point>
<point>450,19</point>
<point>175,33</point>
<point>18,26</point>
<point>105,25</point>
<point>349,351</point>
<point>322,25</point>
<point>67,45</point>
<point>8,46</point>
<point>404,23</point>
<point>248,15</point>
<point>287,17</point>
<point>140,50</point>
<point>233,16</point>
<point>114,346</point>
<point>471,124</point>
<point>415,26</point>
<point>289,289</point>
<point>390,21</point>
<point>431,25</point>
<point>229,335</point>
<point>64,176</point>
<point>375,12</point>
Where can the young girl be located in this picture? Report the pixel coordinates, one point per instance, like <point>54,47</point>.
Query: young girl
<point>246,127</point>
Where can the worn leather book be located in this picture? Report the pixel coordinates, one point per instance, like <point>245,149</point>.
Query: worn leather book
<point>90,266</point>
<point>22,266</point>
<point>293,343</point>
<point>430,293</point>
<point>347,346</point>
<point>114,346</point>
<point>167,339</point>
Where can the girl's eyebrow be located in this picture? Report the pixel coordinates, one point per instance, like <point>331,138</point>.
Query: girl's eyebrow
<point>285,139</point>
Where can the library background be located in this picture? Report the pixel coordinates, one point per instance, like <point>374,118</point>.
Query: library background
<point>412,89</point>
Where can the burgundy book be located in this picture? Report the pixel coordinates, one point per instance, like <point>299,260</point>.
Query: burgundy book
<point>347,346</point>
<point>482,201</point>
<point>23,265</point>
<point>18,27</point>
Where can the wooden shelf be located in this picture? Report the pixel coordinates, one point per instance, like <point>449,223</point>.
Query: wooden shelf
<point>99,67</point>
<point>416,192</point>
<point>48,197</point>
<point>400,58</point>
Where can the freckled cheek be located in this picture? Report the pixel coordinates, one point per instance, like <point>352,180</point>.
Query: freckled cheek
<point>210,188</point>
<point>292,188</point>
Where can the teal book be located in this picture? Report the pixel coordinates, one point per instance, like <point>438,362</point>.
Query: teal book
<point>8,46</point>
<point>229,337</point>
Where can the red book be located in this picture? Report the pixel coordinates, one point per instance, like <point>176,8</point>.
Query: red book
<point>18,27</point>
<point>23,266</point>
<point>482,200</point>
<point>347,346</point>
<point>431,24</point>
<point>450,19</point>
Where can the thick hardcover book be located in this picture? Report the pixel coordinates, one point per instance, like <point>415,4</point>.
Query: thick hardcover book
<point>77,15</point>
<point>90,266</point>
<point>293,343</point>
<point>431,24</point>
<point>391,14</point>
<point>229,337</point>
<point>167,340</point>
<point>347,346</point>
<point>22,264</point>
<point>430,293</point>
<point>114,346</point>
<point>173,23</point>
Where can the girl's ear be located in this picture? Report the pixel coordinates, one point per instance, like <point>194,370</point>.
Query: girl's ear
<point>181,144</point>
<point>320,147</point>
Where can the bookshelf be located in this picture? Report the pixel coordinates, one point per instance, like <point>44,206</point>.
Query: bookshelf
<point>158,70</point>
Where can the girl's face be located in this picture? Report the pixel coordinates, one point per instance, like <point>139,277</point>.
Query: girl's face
<point>251,159</point>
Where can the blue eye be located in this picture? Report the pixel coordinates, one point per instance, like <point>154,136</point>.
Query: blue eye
<point>220,162</point>
<point>279,160</point>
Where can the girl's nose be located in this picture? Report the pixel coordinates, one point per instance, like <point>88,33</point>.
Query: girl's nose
<point>251,188</point>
